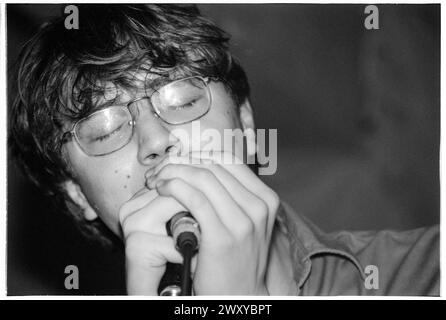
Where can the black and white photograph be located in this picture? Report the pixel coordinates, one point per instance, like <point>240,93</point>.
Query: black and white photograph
<point>223,150</point>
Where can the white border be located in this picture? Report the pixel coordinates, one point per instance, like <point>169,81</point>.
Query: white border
<point>3,157</point>
<point>230,2</point>
<point>3,154</point>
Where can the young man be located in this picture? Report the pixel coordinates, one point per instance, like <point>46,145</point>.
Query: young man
<point>98,121</point>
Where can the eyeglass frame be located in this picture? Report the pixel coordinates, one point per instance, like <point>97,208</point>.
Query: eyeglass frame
<point>72,131</point>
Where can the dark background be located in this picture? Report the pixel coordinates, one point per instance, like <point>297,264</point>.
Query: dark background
<point>358,119</point>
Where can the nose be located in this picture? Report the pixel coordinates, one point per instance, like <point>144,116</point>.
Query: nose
<point>154,139</point>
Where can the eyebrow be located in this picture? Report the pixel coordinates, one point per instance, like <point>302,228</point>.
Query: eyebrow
<point>159,82</point>
<point>124,96</point>
<point>104,104</point>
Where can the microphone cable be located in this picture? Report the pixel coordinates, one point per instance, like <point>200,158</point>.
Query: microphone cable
<point>187,250</point>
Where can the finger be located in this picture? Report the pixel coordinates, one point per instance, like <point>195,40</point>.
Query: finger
<point>138,201</point>
<point>195,202</point>
<point>232,164</point>
<point>255,208</point>
<point>204,180</point>
<point>152,217</point>
<point>146,257</point>
<point>237,190</point>
<point>249,179</point>
<point>241,173</point>
<point>235,166</point>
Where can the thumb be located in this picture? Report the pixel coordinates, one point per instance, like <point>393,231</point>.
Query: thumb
<point>146,258</point>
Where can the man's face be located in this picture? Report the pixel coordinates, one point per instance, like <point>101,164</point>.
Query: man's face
<point>107,182</point>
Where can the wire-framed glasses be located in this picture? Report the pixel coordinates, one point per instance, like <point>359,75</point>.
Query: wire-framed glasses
<point>110,129</point>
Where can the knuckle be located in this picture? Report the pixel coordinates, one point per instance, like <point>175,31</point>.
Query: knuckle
<point>123,213</point>
<point>198,200</point>
<point>204,174</point>
<point>225,242</point>
<point>135,244</point>
<point>216,168</point>
<point>247,228</point>
<point>273,199</point>
<point>126,225</point>
<point>244,230</point>
<point>173,184</point>
<point>260,207</point>
<point>167,170</point>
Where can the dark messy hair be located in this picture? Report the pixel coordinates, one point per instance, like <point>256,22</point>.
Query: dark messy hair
<point>61,72</point>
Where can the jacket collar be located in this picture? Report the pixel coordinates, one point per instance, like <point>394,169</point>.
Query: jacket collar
<point>307,240</point>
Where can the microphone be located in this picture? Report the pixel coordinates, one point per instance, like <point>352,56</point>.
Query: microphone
<point>185,231</point>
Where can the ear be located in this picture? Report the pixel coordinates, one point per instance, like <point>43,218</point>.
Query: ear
<point>246,115</point>
<point>247,121</point>
<point>77,196</point>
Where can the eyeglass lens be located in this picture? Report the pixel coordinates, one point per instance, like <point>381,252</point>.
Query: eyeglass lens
<point>110,129</point>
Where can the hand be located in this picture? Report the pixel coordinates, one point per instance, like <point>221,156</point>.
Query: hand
<point>236,213</point>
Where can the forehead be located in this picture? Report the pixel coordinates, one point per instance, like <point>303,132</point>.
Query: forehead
<point>140,84</point>
<point>103,93</point>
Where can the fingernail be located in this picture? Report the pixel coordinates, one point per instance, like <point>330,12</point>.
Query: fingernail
<point>149,173</point>
<point>148,186</point>
<point>150,181</point>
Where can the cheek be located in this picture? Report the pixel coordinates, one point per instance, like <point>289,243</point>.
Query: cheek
<point>207,133</point>
<point>107,183</point>
<point>221,130</point>
<point>106,187</point>
<point>221,123</point>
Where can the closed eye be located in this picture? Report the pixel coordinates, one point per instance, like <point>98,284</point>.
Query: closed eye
<point>190,104</point>
<point>108,135</point>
